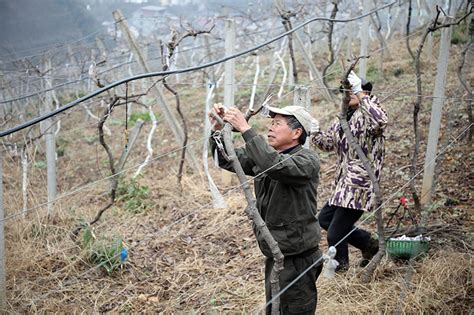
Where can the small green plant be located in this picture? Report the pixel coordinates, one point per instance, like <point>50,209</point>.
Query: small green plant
<point>81,93</point>
<point>109,254</point>
<point>134,196</point>
<point>460,34</point>
<point>61,144</point>
<point>40,164</point>
<point>37,230</point>
<point>88,237</point>
<point>116,122</point>
<point>398,72</point>
<point>373,73</point>
<point>145,116</point>
<point>105,164</point>
<point>91,139</point>
<point>217,300</point>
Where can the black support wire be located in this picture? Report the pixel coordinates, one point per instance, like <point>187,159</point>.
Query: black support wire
<point>177,71</point>
<point>83,78</point>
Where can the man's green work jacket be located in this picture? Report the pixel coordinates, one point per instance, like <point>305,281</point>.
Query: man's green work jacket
<point>285,189</point>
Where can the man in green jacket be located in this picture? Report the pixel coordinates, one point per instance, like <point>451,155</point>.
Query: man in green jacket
<point>285,189</point>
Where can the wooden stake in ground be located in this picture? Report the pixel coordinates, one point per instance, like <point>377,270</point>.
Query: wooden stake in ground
<point>229,65</point>
<point>302,97</point>
<point>3,295</point>
<point>47,128</point>
<point>316,74</point>
<point>24,179</point>
<point>435,121</point>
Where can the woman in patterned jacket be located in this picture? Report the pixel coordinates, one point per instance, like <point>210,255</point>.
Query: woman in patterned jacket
<point>353,194</point>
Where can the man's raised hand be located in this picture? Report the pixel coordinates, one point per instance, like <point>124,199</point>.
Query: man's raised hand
<point>237,119</point>
<point>219,111</point>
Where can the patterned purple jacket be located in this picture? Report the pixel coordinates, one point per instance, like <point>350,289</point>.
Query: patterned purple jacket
<point>354,188</point>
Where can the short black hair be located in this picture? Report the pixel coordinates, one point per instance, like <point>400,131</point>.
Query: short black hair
<point>293,123</point>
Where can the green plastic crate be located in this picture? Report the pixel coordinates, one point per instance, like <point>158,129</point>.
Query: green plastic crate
<point>406,249</point>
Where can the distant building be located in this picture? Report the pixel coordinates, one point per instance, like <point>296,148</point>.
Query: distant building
<point>146,19</point>
<point>167,3</point>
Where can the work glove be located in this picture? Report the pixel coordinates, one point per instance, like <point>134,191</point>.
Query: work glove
<point>314,126</point>
<point>355,81</point>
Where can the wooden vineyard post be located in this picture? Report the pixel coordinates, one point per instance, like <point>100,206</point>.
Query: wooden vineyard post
<point>302,97</point>
<point>316,74</point>
<point>3,295</point>
<point>229,77</point>
<point>435,122</point>
<point>47,128</point>
<point>291,78</point>
<point>102,49</point>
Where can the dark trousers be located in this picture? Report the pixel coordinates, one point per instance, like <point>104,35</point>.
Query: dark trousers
<point>338,221</point>
<point>301,298</point>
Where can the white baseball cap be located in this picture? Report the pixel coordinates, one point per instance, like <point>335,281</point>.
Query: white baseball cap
<point>299,112</point>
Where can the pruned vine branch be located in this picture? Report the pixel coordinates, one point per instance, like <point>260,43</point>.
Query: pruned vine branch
<point>252,213</point>
<point>114,102</point>
<point>113,179</point>
<point>172,44</point>
<point>467,87</point>
<point>332,58</point>
<point>286,16</point>
<point>407,38</point>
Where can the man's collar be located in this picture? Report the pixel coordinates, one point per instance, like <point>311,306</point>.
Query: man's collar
<point>290,149</point>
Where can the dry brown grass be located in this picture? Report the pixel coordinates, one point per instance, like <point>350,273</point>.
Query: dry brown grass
<point>186,258</point>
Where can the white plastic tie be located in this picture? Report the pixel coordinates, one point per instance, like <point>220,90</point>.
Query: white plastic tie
<point>330,264</point>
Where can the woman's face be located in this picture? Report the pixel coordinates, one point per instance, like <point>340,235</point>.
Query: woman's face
<point>354,102</point>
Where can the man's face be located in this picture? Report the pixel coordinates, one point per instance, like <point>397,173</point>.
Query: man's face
<point>280,135</point>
